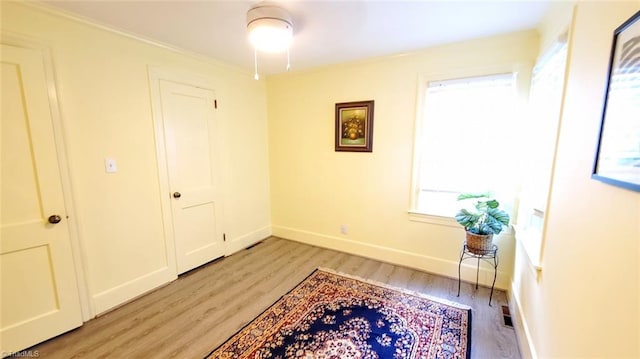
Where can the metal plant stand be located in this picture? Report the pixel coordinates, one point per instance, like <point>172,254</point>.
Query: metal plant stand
<point>490,256</point>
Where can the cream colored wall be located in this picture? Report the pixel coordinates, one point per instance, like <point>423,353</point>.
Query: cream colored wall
<point>586,300</point>
<point>104,97</point>
<point>314,190</point>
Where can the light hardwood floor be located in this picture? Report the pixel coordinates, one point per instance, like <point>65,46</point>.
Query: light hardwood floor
<point>201,309</point>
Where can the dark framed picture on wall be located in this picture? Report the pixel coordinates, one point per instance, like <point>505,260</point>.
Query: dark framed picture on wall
<point>354,126</point>
<point>617,159</point>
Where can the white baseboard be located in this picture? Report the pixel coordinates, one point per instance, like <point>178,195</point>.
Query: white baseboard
<point>132,289</point>
<point>116,296</point>
<point>429,264</point>
<point>246,240</point>
<point>527,349</point>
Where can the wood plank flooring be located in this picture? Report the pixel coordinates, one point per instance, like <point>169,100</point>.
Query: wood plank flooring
<point>194,314</point>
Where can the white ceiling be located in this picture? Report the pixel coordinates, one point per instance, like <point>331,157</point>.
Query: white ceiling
<point>325,32</point>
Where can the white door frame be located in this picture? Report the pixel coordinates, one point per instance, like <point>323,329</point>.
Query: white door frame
<point>156,74</point>
<point>77,249</point>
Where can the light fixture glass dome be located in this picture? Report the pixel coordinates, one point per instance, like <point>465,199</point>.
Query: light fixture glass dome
<point>270,30</point>
<point>270,35</point>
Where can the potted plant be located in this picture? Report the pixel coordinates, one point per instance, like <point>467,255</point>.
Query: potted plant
<point>482,221</point>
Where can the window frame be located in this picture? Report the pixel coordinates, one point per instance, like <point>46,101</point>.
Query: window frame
<point>522,73</point>
<point>533,240</point>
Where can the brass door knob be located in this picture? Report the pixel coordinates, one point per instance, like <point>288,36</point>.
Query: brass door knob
<point>177,195</point>
<point>54,218</point>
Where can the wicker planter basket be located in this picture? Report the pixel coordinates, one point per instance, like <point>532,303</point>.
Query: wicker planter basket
<point>479,243</point>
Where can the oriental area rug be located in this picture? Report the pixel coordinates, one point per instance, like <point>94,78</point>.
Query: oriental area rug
<point>335,316</point>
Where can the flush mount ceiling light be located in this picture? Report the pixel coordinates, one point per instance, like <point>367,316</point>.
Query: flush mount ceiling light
<point>270,30</point>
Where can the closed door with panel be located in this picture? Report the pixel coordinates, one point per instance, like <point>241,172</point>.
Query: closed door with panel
<point>39,293</point>
<point>188,115</point>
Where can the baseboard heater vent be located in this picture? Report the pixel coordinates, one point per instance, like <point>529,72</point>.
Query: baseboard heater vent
<point>506,316</point>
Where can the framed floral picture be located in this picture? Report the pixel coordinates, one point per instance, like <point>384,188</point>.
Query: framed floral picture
<point>617,159</point>
<point>354,126</point>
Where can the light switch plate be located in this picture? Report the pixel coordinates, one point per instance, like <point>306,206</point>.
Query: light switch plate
<point>110,165</point>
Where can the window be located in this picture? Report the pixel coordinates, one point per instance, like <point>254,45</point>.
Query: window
<point>545,103</point>
<point>465,142</point>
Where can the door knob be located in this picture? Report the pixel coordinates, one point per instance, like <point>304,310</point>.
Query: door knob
<point>176,195</point>
<point>54,218</point>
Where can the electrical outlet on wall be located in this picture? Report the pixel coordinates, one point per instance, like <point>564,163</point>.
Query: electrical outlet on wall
<point>110,165</point>
<point>343,229</point>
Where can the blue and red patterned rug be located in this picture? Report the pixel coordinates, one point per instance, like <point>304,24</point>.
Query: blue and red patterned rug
<point>332,315</point>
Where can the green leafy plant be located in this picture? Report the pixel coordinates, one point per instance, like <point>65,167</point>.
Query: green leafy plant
<point>486,218</point>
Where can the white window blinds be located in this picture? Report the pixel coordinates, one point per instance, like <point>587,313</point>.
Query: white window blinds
<point>467,141</point>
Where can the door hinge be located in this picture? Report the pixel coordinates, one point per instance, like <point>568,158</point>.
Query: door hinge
<point>215,104</point>
<point>224,237</point>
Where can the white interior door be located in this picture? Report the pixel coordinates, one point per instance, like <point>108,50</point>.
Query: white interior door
<point>190,138</point>
<point>38,285</point>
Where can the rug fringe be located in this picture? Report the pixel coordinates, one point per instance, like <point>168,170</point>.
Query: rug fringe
<point>403,290</point>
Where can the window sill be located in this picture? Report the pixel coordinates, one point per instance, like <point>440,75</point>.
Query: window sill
<point>446,221</point>
<point>530,242</point>
<point>433,219</point>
